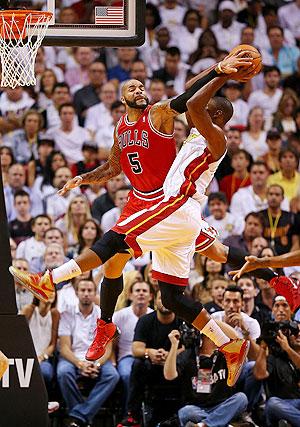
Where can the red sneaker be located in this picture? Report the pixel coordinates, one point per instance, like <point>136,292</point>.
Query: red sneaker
<point>235,352</point>
<point>289,288</point>
<point>41,285</point>
<point>129,421</point>
<point>105,332</point>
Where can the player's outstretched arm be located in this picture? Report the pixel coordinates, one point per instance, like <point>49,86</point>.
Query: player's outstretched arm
<point>101,174</point>
<point>253,263</point>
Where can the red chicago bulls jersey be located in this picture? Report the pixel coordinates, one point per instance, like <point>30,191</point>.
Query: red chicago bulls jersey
<point>147,154</point>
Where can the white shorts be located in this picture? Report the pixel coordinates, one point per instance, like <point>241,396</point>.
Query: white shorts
<point>170,236</point>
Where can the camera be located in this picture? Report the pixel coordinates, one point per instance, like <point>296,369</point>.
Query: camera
<point>189,336</point>
<point>270,331</point>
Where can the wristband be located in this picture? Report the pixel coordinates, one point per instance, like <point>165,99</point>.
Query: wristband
<point>218,69</point>
<point>79,176</point>
<point>146,355</point>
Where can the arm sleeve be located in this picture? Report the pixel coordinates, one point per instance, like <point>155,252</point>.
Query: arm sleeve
<point>179,103</point>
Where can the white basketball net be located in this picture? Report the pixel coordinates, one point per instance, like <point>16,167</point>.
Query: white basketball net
<point>18,53</point>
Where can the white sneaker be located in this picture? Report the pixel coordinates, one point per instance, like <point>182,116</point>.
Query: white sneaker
<point>52,407</point>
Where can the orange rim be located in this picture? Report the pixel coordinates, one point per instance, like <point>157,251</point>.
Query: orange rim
<point>17,18</point>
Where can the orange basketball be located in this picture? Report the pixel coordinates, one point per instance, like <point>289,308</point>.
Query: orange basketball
<point>254,54</point>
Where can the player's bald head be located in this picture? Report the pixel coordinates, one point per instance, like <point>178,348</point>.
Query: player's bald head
<point>220,110</point>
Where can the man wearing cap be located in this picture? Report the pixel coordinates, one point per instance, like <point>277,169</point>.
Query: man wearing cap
<point>267,98</point>
<point>278,364</point>
<point>227,30</point>
<point>271,158</point>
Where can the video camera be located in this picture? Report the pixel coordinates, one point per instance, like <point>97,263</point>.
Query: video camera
<point>270,331</point>
<point>189,336</point>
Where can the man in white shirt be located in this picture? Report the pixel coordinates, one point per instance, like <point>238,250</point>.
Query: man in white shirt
<point>76,329</point>
<point>172,14</point>
<point>223,221</point>
<point>13,105</point>
<point>289,17</point>
<point>227,30</point>
<point>267,98</point>
<point>254,197</point>
<point>34,247</point>
<point>233,92</point>
<point>60,95</point>
<point>69,137</point>
<point>126,319</point>
<point>99,115</point>
<point>110,217</point>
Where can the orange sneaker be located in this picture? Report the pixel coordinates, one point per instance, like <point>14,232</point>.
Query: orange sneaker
<point>235,352</point>
<point>105,332</point>
<point>41,285</point>
<point>3,364</point>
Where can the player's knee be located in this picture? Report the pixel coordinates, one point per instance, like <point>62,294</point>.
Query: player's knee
<point>168,296</point>
<point>109,245</point>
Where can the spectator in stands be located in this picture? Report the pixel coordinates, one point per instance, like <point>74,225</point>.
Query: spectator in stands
<point>218,286</point>
<point>281,228</point>
<point>257,245</point>
<point>293,81</point>
<point>254,139</point>
<point>43,319</point>
<point>99,115</point>
<point>247,35</point>
<point>267,98</point>
<point>78,212</point>
<point>24,142</point>
<point>23,296</point>
<point>61,95</point>
<point>48,80</point>
<point>13,104</point>
<point>172,14</point>
<point>154,57</point>
<point>7,159</point>
<point>56,206</point>
<point>227,30</point>
<point>150,349</point>
<point>37,166</point>
<point>224,222</point>
<point>20,228</point>
<point>157,91</point>
<point>88,95</point>
<point>105,202</point>
<point>233,91</point>
<point>78,76</point>
<point>284,57</point>
<point>289,17</point>
<point>16,182</point>
<point>234,143</point>
<point>42,63</point>
<point>271,158</point>
<point>278,364</point>
<point>254,197</point>
<point>287,177</point>
<point>181,132</point>
<point>207,401</point>
<point>69,137</point>
<point>104,135</point>
<point>138,71</point>
<point>149,278</point>
<point>121,72</point>
<point>240,178</point>
<point>284,119</point>
<point>90,159</point>
<point>13,248</point>
<point>174,72</point>
<point>126,320</point>
<point>110,217</point>
<point>253,228</point>
<point>189,33</point>
<point>76,332</point>
<point>52,235</point>
<point>249,287</point>
<point>34,246</point>
<point>206,53</point>
<point>152,21</point>
<point>89,232</point>
<point>202,290</point>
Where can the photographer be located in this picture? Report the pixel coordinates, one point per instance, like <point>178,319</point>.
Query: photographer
<point>278,364</point>
<point>203,373</point>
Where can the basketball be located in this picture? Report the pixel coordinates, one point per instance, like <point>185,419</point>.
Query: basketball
<point>255,55</point>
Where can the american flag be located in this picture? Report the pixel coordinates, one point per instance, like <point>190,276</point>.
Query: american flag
<point>109,15</point>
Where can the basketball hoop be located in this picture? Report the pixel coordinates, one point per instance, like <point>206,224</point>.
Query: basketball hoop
<point>21,34</point>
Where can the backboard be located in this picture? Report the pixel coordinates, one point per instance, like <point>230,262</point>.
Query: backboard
<point>91,22</point>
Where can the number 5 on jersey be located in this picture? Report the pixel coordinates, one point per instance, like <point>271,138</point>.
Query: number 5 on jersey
<point>135,164</point>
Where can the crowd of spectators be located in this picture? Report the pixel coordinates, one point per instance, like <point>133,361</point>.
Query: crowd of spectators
<point>63,127</point>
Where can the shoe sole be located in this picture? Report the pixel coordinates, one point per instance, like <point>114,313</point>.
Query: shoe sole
<point>32,290</point>
<point>242,358</point>
<point>116,335</point>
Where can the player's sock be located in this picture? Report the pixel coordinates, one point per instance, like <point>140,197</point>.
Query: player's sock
<point>110,290</point>
<point>213,331</point>
<point>66,272</point>
<point>236,258</point>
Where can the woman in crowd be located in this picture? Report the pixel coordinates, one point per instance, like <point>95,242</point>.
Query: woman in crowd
<point>7,159</point>
<point>254,138</point>
<point>88,233</point>
<point>48,80</point>
<point>284,119</point>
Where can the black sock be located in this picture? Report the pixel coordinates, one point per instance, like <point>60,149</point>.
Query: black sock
<point>110,290</point>
<point>236,259</point>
